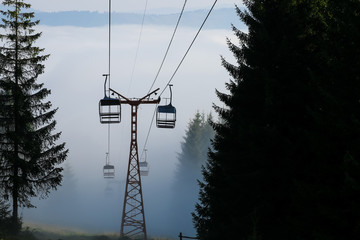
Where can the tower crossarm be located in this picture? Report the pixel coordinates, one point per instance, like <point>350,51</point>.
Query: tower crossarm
<point>137,101</point>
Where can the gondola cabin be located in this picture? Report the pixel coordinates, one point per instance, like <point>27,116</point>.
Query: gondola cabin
<point>144,168</point>
<point>166,116</point>
<point>109,171</point>
<point>109,110</point>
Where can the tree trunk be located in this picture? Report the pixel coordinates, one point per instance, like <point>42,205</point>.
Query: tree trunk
<point>15,214</point>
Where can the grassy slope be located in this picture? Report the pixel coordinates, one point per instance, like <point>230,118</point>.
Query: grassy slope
<point>49,232</point>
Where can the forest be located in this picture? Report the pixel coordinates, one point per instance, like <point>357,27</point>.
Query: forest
<point>285,158</point>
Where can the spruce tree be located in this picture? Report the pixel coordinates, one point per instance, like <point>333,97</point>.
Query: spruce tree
<point>190,160</point>
<point>285,163</point>
<point>4,218</point>
<point>196,142</point>
<point>29,152</point>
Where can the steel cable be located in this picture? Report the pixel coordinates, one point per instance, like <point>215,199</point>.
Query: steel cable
<point>167,50</point>
<point>177,68</point>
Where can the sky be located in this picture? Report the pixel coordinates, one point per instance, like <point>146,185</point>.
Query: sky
<point>73,73</point>
<point>153,6</point>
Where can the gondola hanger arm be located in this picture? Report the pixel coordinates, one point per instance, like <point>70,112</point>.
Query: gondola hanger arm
<point>120,95</point>
<point>148,95</point>
<point>136,101</point>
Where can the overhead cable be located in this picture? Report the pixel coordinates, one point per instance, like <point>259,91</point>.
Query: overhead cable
<point>109,60</point>
<point>138,44</point>
<point>109,69</point>
<point>167,50</point>
<point>148,134</point>
<point>172,77</point>
<point>192,43</point>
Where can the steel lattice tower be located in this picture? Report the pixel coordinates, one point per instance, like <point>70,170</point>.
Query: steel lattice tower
<point>133,215</point>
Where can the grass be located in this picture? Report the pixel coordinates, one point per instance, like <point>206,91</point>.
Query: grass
<point>49,232</point>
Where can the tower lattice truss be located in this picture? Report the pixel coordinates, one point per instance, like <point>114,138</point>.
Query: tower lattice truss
<point>133,218</point>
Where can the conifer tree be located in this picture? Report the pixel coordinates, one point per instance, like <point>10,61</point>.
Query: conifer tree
<point>29,153</point>
<point>4,218</point>
<point>196,142</point>
<point>190,160</point>
<point>285,163</point>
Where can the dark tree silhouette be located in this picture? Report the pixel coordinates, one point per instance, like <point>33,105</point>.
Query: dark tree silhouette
<point>4,218</point>
<point>285,163</point>
<point>29,154</point>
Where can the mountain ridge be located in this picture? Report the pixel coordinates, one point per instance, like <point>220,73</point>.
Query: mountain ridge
<point>219,19</point>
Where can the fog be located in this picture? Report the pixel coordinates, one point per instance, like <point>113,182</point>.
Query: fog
<point>74,71</point>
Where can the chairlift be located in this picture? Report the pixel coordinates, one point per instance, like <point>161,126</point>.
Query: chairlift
<point>108,170</point>
<point>109,108</point>
<point>144,166</point>
<point>166,114</point>
<point>144,169</point>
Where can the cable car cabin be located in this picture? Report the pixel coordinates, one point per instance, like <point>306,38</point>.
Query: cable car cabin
<point>144,168</point>
<point>109,171</point>
<point>166,116</point>
<point>109,110</point>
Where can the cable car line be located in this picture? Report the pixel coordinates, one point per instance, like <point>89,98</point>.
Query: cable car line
<point>187,51</point>
<point>138,44</point>
<point>109,109</point>
<point>172,77</point>
<point>115,112</point>
<point>109,40</point>
<point>133,217</point>
<point>109,69</point>
<point>108,152</point>
<point>158,72</point>
<point>167,50</point>
<point>165,118</point>
<point>148,134</point>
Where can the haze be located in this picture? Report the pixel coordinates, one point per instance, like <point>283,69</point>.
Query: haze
<point>74,74</point>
